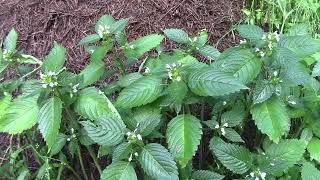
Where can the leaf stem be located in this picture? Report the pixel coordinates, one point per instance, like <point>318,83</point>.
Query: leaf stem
<point>81,163</point>
<point>94,157</point>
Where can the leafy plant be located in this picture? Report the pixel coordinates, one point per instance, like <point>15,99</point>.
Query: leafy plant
<point>156,123</point>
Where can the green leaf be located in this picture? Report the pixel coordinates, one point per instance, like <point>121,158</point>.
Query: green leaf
<point>299,30</point>
<point>119,171</point>
<point>106,20</point>
<point>92,73</point>
<point>148,119</point>
<point>282,156</point>
<point>206,175</point>
<point>271,118</point>
<point>106,132</point>
<point>301,45</point>
<point>119,25</point>
<point>242,64</point>
<point>128,79</point>
<point>177,91</point>
<point>59,144</point>
<point>10,41</point>
<point>183,137</point>
<point>143,91</point>
<point>4,105</point>
<point>157,162</point>
<point>233,117</point>
<point>49,119</point>
<point>251,32</point>
<point>210,82</point>
<point>177,35</point>
<point>262,92</point>
<point>232,135</point>
<point>21,115</point>
<point>316,69</point>
<point>142,45</point>
<point>313,149</point>
<point>92,38</point>
<point>122,152</point>
<point>309,172</point>
<point>236,158</point>
<point>55,60</point>
<point>209,52</point>
<point>92,104</point>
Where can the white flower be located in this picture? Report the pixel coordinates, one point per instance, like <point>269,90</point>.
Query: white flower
<point>277,36</point>
<point>272,164</point>
<point>270,45</point>
<point>51,73</point>
<point>252,174</point>
<point>243,41</point>
<point>264,37</point>
<point>5,93</point>
<point>68,139</point>
<point>195,39</point>
<point>223,132</point>
<point>225,125</point>
<point>139,137</point>
<point>256,178</point>
<point>146,70</point>
<point>257,50</point>
<point>292,102</point>
<point>275,73</point>
<point>130,158</point>
<point>217,126</point>
<point>178,78</point>
<point>224,103</point>
<point>263,175</point>
<point>44,85</point>
<point>262,54</point>
<point>170,75</point>
<point>51,84</point>
<point>136,154</point>
<point>168,66</point>
<point>131,46</point>
<point>102,30</point>
<point>173,65</point>
<point>128,133</point>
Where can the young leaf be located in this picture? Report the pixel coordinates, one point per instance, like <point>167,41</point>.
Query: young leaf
<point>232,135</point>
<point>183,136</point>
<point>106,20</point>
<point>271,118</point>
<point>209,52</point>
<point>21,115</point>
<point>309,172</point>
<point>119,171</point>
<point>119,25</point>
<point>177,35</point>
<point>10,43</point>
<point>206,175</point>
<point>92,104</point>
<point>210,82</point>
<point>313,149</point>
<point>107,131</point>
<point>55,60</point>
<point>236,158</point>
<point>143,91</point>
<point>49,119</point>
<point>92,38</point>
<point>283,155</point>
<point>157,162</point>
<point>301,45</point>
<point>251,32</point>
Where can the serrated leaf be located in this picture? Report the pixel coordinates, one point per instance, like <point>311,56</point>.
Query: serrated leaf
<point>242,64</point>
<point>177,35</point>
<point>148,119</point>
<point>271,118</point>
<point>128,79</point>
<point>4,105</point>
<point>11,39</point>
<point>21,115</point>
<point>119,171</point>
<point>107,131</point>
<point>92,73</point>
<point>299,30</point>
<point>119,26</point>
<point>206,175</point>
<point>316,69</point>
<point>232,135</point>
<point>59,144</point>
<point>157,162</point>
<point>236,158</point>
<point>55,60</point>
<point>177,91</point>
<point>233,117</point>
<point>282,156</point>
<point>92,104</point>
<point>92,38</point>
<point>183,137</point>
<point>3,65</point>
<point>106,20</point>
<point>309,172</point>
<point>143,91</point>
<point>301,45</point>
<point>210,52</point>
<point>210,82</point>
<point>49,119</point>
<point>251,32</point>
<point>314,149</point>
<point>262,92</point>
<point>142,45</point>
<point>122,152</point>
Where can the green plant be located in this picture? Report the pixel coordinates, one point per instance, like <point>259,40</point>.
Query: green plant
<point>157,125</point>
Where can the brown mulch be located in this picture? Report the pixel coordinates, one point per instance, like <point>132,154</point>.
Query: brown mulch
<point>40,22</point>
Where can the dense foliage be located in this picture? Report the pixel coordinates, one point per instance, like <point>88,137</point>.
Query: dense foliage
<point>263,96</point>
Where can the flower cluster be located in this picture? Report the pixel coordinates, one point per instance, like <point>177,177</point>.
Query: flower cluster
<point>49,80</point>
<point>222,128</point>
<point>173,72</point>
<point>74,89</point>
<point>134,136</point>
<point>103,30</point>
<point>7,55</point>
<point>257,175</point>
<point>73,135</point>
<point>131,156</point>
<point>271,39</point>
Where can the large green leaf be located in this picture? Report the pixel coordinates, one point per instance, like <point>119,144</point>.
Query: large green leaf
<point>148,119</point>
<point>183,136</point>
<point>211,82</point>
<point>10,42</point>
<point>55,60</point>
<point>233,117</point>
<point>262,92</point>
<point>309,172</point>
<point>209,52</point>
<point>21,115</point>
<point>177,35</point>
<point>280,157</point>
<point>271,118</point>
<point>49,119</point>
<point>92,73</point>
<point>301,45</point>
<point>206,175</point>
<point>157,162</point>
<point>129,79</point>
<point>119,171</point>
<point>4,105</point>
<point>108,131</point>
<point>92,104</point>
<point>177,91</point>
<point>241,63</point>
<point>251,32</point>
<point>314,149</point>
<point>143,91</point>
<point>236,158</point>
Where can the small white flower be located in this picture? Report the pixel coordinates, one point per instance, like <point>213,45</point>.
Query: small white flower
<point>139,137</point>
<point>292,102</point>
<point>44,85</point>
<point>5,93</point>
<point>178,78</point>
<point>256,178</point>
<point>195,39</point>
<point>277,36</point>
<point>270,45</point>
<point>170,75</point>
<point>272,164</point>
<point>51,84</point>
<point>223,132</point>
<point>262,54</point>
<point>131,46</point>
<point>263,175</point>
<point>68,139</point>
<point>257,50</point>
<point>224,103</point>
<point>74,136</point>
<point>168,66</point>
<point>217,126</point>
<point>133,135</point>
<point>128,133</point>
<point>130,158</point>
<point>72,130</point>
<point>275,73</point>
<point>42,75</point>
<point>252,174</point>
<point>51,73</point>
<point>55,83</point>
<point>173,65</point>
<point>146,70</point>
<point>264,37</point>
<point>225,125</point>
<point>136,154</point>
<point>100,92</point>
<point>243,41</point>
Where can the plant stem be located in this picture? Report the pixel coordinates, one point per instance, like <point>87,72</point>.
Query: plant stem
<point>29,73</point>
<point>94,157</point>
<point>81,163</point>
<point>201,142</point>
